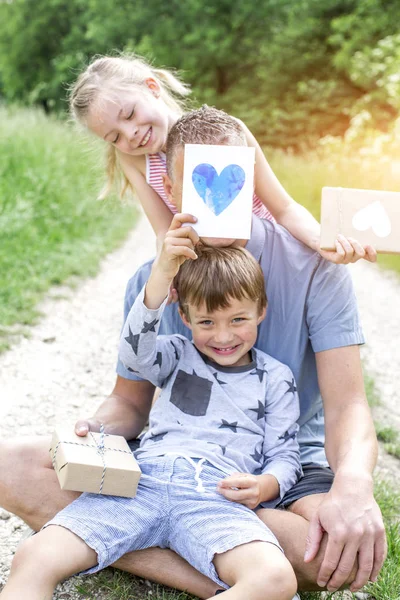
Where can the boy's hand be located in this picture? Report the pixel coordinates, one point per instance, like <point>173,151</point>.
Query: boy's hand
<point>248,489</point>
<point>178,245</point>
<point>348,250</point>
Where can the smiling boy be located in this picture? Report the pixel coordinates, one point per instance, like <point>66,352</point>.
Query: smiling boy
<point>222,438</point>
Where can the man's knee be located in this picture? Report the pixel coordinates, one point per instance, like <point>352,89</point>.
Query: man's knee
<point>28,485</point>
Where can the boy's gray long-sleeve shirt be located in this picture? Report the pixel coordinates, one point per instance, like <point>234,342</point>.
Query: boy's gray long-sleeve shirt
<point>238,418</point>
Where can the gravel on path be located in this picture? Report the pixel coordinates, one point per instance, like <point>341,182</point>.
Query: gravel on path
<point>378,295</point>
<point>66,367</point>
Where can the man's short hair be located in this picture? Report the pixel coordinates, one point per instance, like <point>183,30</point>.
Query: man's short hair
<point>207,125</point>
<point>218,276</point>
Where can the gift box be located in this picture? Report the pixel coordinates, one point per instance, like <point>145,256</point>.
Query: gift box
<point>98,463</point>
<point>370,216</point>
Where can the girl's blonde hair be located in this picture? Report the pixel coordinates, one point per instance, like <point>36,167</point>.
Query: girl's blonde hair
<point>107,73</point>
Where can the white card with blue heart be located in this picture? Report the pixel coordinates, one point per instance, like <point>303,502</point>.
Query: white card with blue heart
<point>370,216</point>
<point>218,184</point>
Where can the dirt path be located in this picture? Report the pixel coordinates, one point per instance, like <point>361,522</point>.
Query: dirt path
<point>378,294</point>
<point>67,366</point>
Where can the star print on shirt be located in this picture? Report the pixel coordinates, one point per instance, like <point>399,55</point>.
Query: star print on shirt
<point>218,381</point>
<point>176,351</point>
<point>259,372</point>
<point>149,326</point>
<point>158,360</point>
<point>257,456</point>
<point>227,425</point>
<point>158,437</point>
<point>287,436</point>
<point>223,448</point>
<point>292,386</point>
<point>133,340</point>
<point>132,370</point>
<point>260,410</point>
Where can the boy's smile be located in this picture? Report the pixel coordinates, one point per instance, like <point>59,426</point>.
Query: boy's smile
<point>227,335</point>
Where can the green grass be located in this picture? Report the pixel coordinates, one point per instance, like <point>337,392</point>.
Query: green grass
<point>370,390</point>
<point>389,436</point>
<point>304,176</point>
<point>115,585</point>
<point>52,227</point>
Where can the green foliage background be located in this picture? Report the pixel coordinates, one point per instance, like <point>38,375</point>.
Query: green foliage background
<point>294,70</point>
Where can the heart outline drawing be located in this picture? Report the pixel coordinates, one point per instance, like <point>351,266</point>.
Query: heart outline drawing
<point>373,216</point>
<point>218,191</point>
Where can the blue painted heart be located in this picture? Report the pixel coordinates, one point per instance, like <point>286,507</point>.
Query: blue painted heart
<point>218,191</point>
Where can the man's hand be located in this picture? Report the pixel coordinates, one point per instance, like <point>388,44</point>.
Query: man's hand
<point>353,521</point>
<point>125,412</point>
<point>348,250</point>
<point>83,426</point>
<point>248,489</point>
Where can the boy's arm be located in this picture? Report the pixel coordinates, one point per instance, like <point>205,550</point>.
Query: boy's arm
<point>141,350</point>
<point>154,358</point>
<point>281,449</point>
<point>281,468</point>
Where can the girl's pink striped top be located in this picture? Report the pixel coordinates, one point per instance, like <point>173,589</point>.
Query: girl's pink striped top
<point>156,167</point>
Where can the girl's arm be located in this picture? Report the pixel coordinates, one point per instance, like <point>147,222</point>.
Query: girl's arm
<point>295,217</point>
<point>155,209</point>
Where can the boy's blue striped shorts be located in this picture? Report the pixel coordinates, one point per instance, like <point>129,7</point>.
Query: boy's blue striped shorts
<point>167,512</point>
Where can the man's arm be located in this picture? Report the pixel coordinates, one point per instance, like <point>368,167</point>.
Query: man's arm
<point>349,513</point>
<point>124,412</point>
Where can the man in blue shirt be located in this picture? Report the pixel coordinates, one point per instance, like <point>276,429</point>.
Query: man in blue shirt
<point>312,325</point>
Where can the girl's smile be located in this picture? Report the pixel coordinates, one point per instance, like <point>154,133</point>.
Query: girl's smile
<point>136,122</point>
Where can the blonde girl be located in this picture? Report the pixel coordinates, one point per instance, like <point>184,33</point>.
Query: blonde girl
<point>132,106</point>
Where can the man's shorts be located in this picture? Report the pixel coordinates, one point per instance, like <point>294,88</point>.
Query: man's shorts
<point>167,512</point>
<point>316,480</point>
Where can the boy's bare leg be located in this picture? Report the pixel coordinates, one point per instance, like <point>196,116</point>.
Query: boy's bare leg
<point>256,571</point>
<point>41,562</point>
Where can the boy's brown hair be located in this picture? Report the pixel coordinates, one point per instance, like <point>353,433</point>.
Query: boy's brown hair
<point>218,276</point>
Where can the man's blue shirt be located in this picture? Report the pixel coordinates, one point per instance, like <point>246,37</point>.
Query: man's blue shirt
<point>311,308</point>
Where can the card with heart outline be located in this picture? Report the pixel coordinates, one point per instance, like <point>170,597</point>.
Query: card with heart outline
<point>218,185</point>
<point>370,216</point>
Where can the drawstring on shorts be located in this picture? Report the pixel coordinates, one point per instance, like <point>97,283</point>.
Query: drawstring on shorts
<point>196,466</point>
